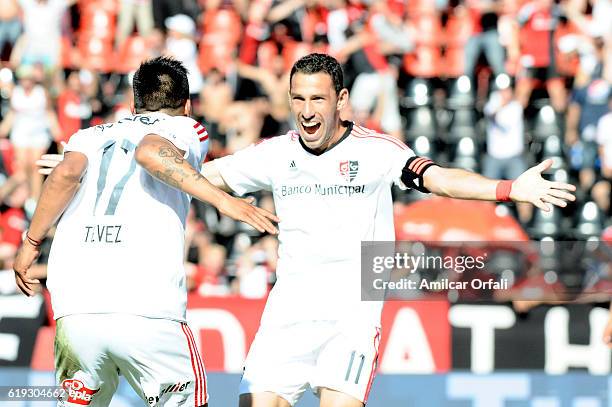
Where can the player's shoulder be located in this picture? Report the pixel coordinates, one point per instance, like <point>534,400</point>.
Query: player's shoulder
<point>370,138</point>
<point>184,127</point>
<point>282,141</point>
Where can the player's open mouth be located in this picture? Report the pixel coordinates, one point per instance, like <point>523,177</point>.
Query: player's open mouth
<point>311,128</point>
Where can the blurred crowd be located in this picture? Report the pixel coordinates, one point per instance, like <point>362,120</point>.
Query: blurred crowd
<point>489,85</point>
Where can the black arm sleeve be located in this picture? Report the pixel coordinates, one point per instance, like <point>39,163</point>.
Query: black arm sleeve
<point>412,173</point>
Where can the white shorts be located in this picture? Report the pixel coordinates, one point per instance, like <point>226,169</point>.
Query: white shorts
<point>158,358</point>
<point>38,139</point>
<point>318,354</point>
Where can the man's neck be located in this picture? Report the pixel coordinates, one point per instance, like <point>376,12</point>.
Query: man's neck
<point>334,139</point>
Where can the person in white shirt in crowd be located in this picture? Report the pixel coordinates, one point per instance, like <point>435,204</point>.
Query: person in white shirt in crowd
<point>601,189</point>
<point>505,137</point>
<point>30,123</point>
<point>42,33</point>
<point>180,43</point>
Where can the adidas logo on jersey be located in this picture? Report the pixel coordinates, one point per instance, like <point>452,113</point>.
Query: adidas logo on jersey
<point>292,165</point>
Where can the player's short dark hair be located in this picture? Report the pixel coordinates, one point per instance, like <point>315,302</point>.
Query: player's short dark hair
<point>316,63</point>
<point>160,83</point>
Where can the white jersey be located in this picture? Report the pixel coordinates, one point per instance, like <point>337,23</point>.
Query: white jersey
<point>327,204</point>
<point>119,245</point>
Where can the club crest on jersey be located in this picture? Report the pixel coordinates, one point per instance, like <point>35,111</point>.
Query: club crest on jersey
<point>348,170</point>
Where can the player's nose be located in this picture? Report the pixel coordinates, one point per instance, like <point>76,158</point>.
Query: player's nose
<point>308,111</point>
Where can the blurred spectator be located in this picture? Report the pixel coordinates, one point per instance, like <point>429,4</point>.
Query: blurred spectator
<point>162,9</point>
<point>29,122</point>
<point>10,24</point>
<point>485,37</point>
<point>350,38</point>
<point>538,20</point>
<point>241,124</point>
<point>41,39</point>
<point>12,220</point>
<point>588,104</point>
<point>255,267</point>
<point>393,36</point>
<point>180,43</point>
<point>211,278</point>
<point>72,108</point>
<point>274,82</point>
<point>505,138</point>
<point>601,190</point>
<point>595,25</point>
<point>141,12</point>
<point>215,96</point>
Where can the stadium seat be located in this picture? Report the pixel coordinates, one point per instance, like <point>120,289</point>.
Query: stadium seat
<point>553,149</point>
<point>546,123</point>
<point>222,25</point>
<point>96,54</point>
<point>424,146</point>
<point>466,154</point>
<point>589,223</point>
<point>133,51</point>
<point>463,124</point>
<point>546,224</point>
<point>461,94</point>
<point>421,122</point>
<point>424,62</point>
<point>418,93</point>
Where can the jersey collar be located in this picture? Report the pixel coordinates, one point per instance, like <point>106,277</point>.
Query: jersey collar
<point>349,129</point>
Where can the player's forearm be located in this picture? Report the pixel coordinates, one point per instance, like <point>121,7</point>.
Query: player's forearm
<point>58,190</point>
<point>165,162</point>
<point>461,184</point>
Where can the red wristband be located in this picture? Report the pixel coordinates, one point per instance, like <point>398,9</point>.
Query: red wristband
<point>502,192</point>
<point>33,241</point>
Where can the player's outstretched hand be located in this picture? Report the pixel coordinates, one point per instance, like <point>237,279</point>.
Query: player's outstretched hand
<point>531,187</point>
<point>23,261</point>
<point>244,211</point>
<point>48,162</point>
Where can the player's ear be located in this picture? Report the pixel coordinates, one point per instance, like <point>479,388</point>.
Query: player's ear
<point>343,98</point>
<point>132,108</point>
<point>187,111</point>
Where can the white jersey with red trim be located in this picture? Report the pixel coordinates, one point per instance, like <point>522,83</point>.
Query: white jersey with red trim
<point>327,204</point>
<point>119,245</point>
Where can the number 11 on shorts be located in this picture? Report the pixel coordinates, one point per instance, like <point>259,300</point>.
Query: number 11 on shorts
<point>353,365</point>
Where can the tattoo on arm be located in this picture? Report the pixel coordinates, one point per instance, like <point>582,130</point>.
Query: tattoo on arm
<point>172,173</point>
<point>168,178</point>
<point>169,152</point>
